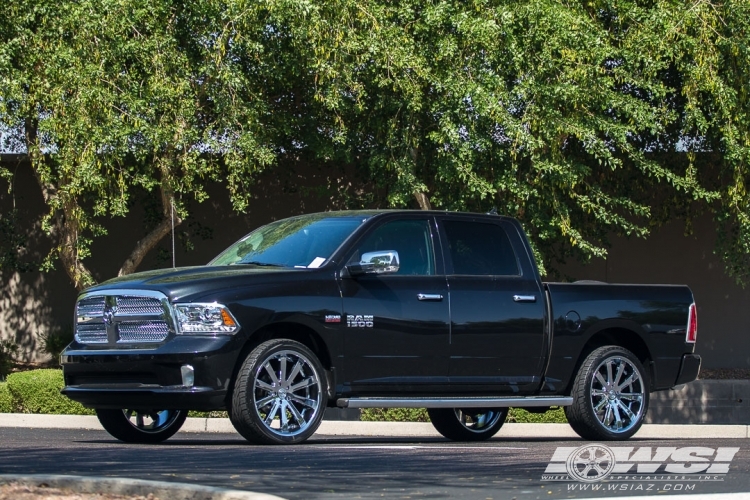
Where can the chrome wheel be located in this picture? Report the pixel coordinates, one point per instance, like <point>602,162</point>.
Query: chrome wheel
<point>617,394</point>
<point>610,395</point>
<point>141,426</point>
<point>280,393</point>
<point>151,421</point>
<point>467,424</point>
<point>287,393</point>
<point>478,420</point>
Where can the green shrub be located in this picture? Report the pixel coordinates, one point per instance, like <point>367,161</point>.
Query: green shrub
<point>516,415</point>
<point>6,399</point>
<point>53,343</point>
<point>394,415</point>
<point>38,391</point>
<point>521,416</point>
<point>208,414</point>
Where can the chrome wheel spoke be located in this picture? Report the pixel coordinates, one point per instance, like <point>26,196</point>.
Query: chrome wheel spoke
<point>310,403</point>
<point>260,384</point>
<point>618,375</point>
<point>618,417</point>
<point>632,396</point>
<point>271,414</point>
<point>626,410</point>
<point>295,371</point>
<point>269,369</point>
<point>308,382</point>
<point>283,416</point>
<point>617,411</point>
<point>282,369</point>
<point>297,416</point>
<point>629,381</point>
<point>600,406</point>
<point>263,402</point>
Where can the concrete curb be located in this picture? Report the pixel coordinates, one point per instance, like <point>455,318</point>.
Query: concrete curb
<point>390,429</point>
<point>125,486</point>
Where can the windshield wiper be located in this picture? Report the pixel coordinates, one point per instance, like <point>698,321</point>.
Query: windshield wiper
<point>261,264</point>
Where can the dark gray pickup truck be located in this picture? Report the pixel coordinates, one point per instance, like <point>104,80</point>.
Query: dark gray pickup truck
<point>371,309</point>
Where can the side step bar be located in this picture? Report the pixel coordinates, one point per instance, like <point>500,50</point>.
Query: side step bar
<point>533,401</point>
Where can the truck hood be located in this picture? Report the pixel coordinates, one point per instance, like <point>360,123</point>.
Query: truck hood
<point>182,282</point>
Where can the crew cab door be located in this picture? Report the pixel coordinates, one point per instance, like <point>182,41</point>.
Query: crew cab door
<point>497,307</point>
<point>396,325</point>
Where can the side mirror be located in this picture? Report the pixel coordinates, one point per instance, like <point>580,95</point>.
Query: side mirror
<point>380,262</point>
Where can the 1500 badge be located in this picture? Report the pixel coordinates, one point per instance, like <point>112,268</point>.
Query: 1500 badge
<point>360,320</point>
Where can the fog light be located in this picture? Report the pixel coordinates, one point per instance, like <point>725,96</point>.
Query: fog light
<point>188,375</point>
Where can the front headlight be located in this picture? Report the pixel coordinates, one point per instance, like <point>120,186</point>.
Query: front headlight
<point>199,318</point>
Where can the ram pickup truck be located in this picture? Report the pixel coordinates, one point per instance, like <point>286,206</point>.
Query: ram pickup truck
<point>375,309</point>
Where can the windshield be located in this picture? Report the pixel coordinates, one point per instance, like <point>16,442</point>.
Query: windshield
<point>306,241</point>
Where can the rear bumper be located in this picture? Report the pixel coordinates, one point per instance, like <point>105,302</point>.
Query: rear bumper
<point>689,368</point>
<point>152,378</point>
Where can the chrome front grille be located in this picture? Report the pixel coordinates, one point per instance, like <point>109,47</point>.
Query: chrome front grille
<point>131,331</point>
<point>95,333</point>
<point>117,317</point>
<point>136,306</point>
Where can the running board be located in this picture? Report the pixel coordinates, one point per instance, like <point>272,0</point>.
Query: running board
<point>529,402</point>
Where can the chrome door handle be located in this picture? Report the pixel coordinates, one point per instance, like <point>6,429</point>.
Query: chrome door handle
<point>429,296</point>
<point>524,298</point>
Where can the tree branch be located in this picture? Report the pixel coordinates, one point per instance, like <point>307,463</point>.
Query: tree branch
<point>423,200</point>
<point>155,235</point>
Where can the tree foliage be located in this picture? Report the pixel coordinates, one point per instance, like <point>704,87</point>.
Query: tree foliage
<point>579,118</point>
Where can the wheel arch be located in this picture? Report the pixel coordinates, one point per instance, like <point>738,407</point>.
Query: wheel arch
<point>624,336</point>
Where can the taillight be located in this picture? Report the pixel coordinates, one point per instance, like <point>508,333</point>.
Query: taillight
<point>692,326</point>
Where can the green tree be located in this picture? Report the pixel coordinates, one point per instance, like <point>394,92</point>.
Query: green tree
<point>579,118</point>
<point>112,96</point>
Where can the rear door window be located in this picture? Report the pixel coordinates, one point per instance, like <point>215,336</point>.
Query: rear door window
<point>479,248</point>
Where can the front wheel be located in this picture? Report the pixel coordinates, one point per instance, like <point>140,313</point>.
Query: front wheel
<point>610,395</point>
<point>469,424</point>
<point>280,394</point>
<point>142,426</point>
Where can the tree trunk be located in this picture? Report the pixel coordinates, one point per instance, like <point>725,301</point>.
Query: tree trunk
<point>65,224</point>
<point>423,200</point>
<point>160,231</point>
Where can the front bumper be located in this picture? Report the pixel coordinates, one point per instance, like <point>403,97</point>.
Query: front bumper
<point>689,368</point>
<point>152,378</point>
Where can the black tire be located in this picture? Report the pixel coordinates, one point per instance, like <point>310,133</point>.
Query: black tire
<point>142,426</point>
<point>283,404</point>
<point>610,395</point>
<point>467,424</point>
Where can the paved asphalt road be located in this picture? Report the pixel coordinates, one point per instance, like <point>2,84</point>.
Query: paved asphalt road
<point>347,467</point>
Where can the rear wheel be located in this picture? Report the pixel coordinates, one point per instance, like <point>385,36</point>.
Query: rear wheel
<point>142,426</point>
<point>610,395</point>
<point>467,424</point>
<point>280,394</point>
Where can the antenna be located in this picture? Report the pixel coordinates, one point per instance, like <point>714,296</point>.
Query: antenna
<point>172,217</point>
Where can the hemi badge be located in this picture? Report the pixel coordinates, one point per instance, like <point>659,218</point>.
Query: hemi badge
<point>333,318</point>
